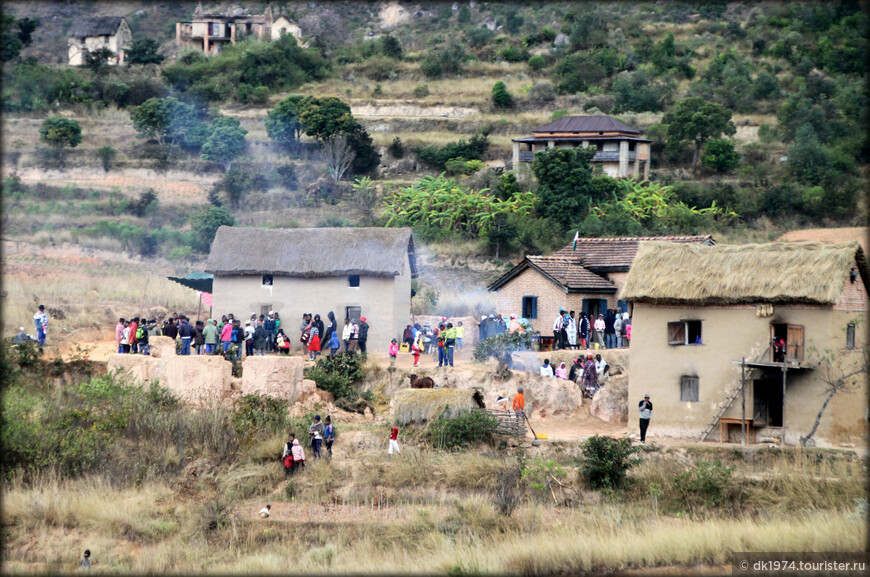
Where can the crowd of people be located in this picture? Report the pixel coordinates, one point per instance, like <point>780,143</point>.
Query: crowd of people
<point>260,335</point>
<point>589,373</point>
<point>610,330</point>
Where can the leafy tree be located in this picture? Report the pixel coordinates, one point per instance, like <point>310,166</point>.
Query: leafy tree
<point>97,60</point>
<point>205,222</point>
<point>169,121</point>
<point>464,15</point>
<point>444,62</point>
<point>807,159</point>
<point>16,34</point>
<point>501,98</point>
<point>633,92</point>
<point>719,154</point>
<point>513,21</point>
<point>391,47</point>
<point>696,120</point>
<point>236,184</point>
<point>478,37</point>
<point>282,122</point>
<point>507,186</point>
<point>144,51</point>
<point>473,149</point>
<point>225,143</point>
<point>565,189</point>
<point>325,117</point>
<point>59,132</point>
<point>606,461</point>
<point>365,197</point>
<point>537,63</point>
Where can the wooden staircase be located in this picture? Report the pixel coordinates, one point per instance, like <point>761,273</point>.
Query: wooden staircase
<point>749,374</point>
<point>508,423</point>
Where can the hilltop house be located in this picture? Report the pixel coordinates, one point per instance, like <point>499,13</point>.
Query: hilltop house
<point>585,277</point>
<point>621,152</point>
<point>283,26</point>
<point>211,32</point>
<point>353,272</point>
<point>90,34</point>
<point>704,321</point>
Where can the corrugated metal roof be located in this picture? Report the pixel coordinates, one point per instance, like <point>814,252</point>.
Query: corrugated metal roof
<point>586,124</point>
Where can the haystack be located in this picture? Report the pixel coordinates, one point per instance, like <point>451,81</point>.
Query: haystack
<point>802,272</point>
<point>421,405</point>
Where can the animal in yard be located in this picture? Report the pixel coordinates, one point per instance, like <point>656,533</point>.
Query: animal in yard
<point>421,382</point>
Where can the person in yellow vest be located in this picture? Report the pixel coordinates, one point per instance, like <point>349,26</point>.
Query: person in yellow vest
<point>460,334</point>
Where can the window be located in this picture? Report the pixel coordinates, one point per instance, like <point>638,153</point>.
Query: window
<point>684,333</point>
<point>353,280</point>
<point>265,309</point>
<point>353,313</point>
<point>850,336</point>
<point>267,280</point>
<point>689,389</point>
<point>530,307</point>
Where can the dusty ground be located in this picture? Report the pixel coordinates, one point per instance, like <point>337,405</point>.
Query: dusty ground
<point>849,234</point>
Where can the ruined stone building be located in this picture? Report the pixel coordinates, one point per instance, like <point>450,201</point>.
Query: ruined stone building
<point>621,152</point>
<point>586,277</point>
<point>210,32</point>
<point>703,330</point>
<point>354,272</point>
<point>91,34</point>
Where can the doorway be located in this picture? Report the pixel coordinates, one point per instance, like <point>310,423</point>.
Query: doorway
<point>793,335</point>
<point>767,402</point>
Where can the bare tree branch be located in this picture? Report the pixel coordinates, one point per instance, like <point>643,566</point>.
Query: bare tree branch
<point>836,384</point>
<point>338,155</point>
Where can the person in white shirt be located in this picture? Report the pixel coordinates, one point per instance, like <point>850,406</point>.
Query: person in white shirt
<point>599,327</point>
<point>264,512</point>
<point>601,367</point>
<point>546,369</point>
<point>557,331</point>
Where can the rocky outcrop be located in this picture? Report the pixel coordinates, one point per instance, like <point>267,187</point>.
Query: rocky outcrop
<point>203,378</point>
<point>611,401</point>
<point>275,376</point>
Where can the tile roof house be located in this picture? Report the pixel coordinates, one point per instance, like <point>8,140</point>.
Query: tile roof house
<point>586,277</point>
<point>704,322</point>
<point>90,34</point>
<point>621,152</point>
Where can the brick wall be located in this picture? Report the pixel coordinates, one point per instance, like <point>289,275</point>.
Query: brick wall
<point>854,295</point>
<point>509,299</point>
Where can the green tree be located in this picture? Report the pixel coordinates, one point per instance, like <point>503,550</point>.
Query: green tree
<point>537,63</point>
<point>391,47</point>
<point>325,118</point>
<point>144,51</point>
<point>226,142</point>
<point>807,159</point>
<point>696,120</point>
<point>282,122</point>
<point>16,34</point>
<point>169,121</point>
<point>59,132</point>
<point>464,15</point>
<point>396,148</point>
<point>566,188</point>
<point>97,60</point>
<point>501,98</point>
<point>719,154</point>
<point>205,222</point>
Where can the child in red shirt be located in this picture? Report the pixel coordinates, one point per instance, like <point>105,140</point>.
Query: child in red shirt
<point>394,442</point>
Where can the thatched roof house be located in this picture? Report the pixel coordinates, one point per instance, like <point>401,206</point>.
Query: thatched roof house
<point>91,34</point>
<point>422,405</point>
<point>353,272</point>
<point>587,277</point>
<point>708,325</point>
<point>805,272</point>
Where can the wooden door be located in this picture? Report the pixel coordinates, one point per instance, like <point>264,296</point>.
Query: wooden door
<point>795,343</point>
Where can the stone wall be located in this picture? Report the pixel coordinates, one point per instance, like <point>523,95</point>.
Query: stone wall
<point>275,376</point>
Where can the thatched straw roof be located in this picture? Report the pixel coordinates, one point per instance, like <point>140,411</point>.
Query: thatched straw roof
<point>311,252</point>
<point>805,272</point>
<point>420,405</point>
<point>95,26</point>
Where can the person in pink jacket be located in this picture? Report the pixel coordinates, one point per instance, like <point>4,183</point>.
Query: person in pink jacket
<point>298,456</point>
<point>227,336</point>
<point>119,332</point>
<point>394,352</point>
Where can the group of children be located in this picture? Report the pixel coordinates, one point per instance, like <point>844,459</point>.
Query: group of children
<point>589,373</point>
<point>440,341</point>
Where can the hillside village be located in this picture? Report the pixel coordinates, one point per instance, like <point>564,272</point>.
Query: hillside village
<point>451,196</point>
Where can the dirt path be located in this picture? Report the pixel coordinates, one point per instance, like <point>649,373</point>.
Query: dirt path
<point>846,234</point>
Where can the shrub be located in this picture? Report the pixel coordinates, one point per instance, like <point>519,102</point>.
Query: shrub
<point>258,416</point>
<point>473,149</point>
<point>466,430</point>
<point>396,148</point>
<point>287,172</point>
<point>106,154</point>
<point>337,374</point>
<point>542,92</point>
<point>537,63</point>
<point>606,461</point>
<point>501,347</point>
<point>719,154</point>
<point>501,98</point>
<point>706,484</point>
<point>421,91</point>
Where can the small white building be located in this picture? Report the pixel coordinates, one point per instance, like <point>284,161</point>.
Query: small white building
<point>353,272</point>
<point>284,26</point>
<point>91,34</point>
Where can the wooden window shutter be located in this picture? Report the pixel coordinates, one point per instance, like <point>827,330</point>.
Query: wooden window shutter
<point>689,389</point>
<point>676,333</point>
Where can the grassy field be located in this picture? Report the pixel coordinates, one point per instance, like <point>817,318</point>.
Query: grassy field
<point>427,511</point>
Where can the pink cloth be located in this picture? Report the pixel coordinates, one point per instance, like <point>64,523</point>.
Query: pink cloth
<point>394,349</point>
<point>628,332</point>
<point>562,372</point>
<point>227,332</point>
<point>119,330</point>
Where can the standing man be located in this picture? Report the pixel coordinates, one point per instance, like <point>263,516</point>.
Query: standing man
<point>557,330</point>
<point>345,333</point>
<point>134,344</point>
<point>119,331</point>
<point>186,332</point>
<point>316,431</point>
<point>645,408</point>
<point>210,336</point>
<point>328,437</point>
<point>394,441</point>
<point>599,327</point>
<point>362,332</point>
<point>40,319</point>
<point>271,331</point>
<point>449,343</point>
<point>572,331</point>
<point>519,404</point>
